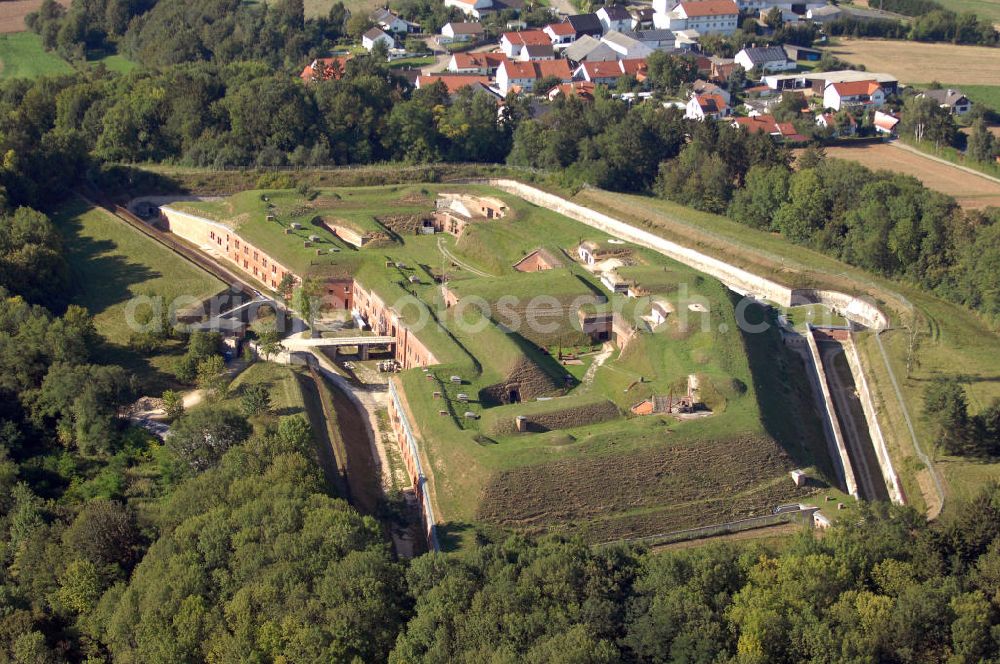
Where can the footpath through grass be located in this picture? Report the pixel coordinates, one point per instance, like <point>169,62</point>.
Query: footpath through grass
<point>22,56</point>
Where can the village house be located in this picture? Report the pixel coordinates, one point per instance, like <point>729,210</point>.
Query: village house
<point>523,75</point>
<point>325,69</point>
<point>561,34</point>
<point>581,89</point>
<point>376,36</point>
<point>614,17</point>
<point>642,18</point>
<point>453,82</point>
<point>705,16</point>
<point>703,87</point>
<point>586,24</point>
<point>819,81</point>
<point>948,98</point>
<point>533,52</point>
<point>482,64</point>
<point>474,8</point>
<point>824,14</point>
<point>766,58</point>
<point>720,69</point>
<point>854,95</point>
<point>460,32</point>
<point>796,52</point>
<point>512,43</point>
<point>626,46</point>
<point>390,22</point>
<point>658,40</point>
<point>848,126</point>
<point>885,123</point>
<point>589,49</point>
<point>706,107</point>
<point>767,124</point>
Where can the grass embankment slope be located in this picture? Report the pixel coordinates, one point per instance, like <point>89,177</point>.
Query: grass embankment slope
<point>22,56</point>
<point>951,340</point>
<point>112,263</point>
<point>988,9</point>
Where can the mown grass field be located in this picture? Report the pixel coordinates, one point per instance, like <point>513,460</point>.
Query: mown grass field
<point>111,264</point>
<point>22,56</point>
<point>915,62</point>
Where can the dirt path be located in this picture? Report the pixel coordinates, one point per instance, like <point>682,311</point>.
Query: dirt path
<point>457,261</point>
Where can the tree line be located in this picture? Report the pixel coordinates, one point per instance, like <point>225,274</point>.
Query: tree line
<point>935,25</point>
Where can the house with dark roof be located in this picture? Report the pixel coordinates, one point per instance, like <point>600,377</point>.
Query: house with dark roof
<point>766,58</point>
<point>586,24</point>
<point>536,52</point>
<point>614,17</point>
<point>626,46</point>
<point>460,32</point>
<point>390,22</point>
<point>589,49</point>
<point>949,98</point>
<point>642,18</point>
<point>375,36</point>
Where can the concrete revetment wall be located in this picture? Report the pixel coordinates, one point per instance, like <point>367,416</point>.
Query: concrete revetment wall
<point>831,425</point>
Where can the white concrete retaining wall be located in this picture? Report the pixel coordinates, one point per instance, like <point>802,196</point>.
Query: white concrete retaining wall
<point>831,425</point>
<point>875,431</point>
<point>737,279</point>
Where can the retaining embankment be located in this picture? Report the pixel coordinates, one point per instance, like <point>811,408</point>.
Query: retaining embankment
<point>737,279</point>
<point>892,482</point>
<point>831,425</point>
<point>804,515</point>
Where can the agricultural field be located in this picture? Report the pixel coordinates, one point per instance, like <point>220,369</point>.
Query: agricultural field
<point>22,56</point>
<point>574,391</point>
<point>112,263</point>
<point>12,13</point>
<point>988,9</point>
<point>969,190</point>
<point>915,62</point>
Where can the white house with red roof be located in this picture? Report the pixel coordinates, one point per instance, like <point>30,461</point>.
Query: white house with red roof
<point>484,64</point>
<point>475,8</point>
<point>704,16</point>
<point>324,69</point>
<point>453,82</point>
<point>561,34</point>
<point>706,107</point>
<point>608,72</point>
<point>524,75</point>
<point>511,43</point>
<point>848,127</point>
<point>885,123</point>
<point>853,95</point>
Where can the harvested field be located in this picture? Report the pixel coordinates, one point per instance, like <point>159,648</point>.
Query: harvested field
<point>644,493</point>
<point>915,62</point>
<point>12,13</point>
<point>970,190</point>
